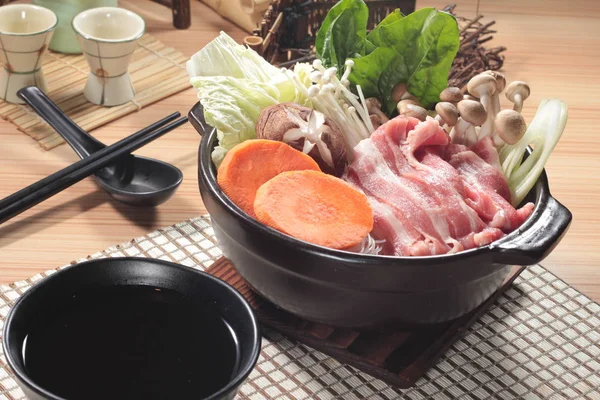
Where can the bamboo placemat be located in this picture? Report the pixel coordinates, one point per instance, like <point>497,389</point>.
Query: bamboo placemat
<point>157,72</point>
<point>539,340</point>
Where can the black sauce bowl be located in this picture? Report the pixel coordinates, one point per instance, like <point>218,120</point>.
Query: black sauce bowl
<point>345,289</point>
<point>45,299</point>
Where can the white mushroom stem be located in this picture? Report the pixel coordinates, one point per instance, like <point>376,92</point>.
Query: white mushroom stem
<point>440,121</point>
<point>349,64</point>
<point>353,114</point>
<point>443,124</point>
<point>470,136</point>
<point>365,110</point>
<point>318,65</point>
<point>495,104</point>
<point>312,132</point>
<point>487,129</point>
<point>518,107</point>
<point>458,133</point>
<point>500,85</point>
<point>491,116</point>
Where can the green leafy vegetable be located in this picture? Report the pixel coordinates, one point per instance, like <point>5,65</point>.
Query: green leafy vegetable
<point>392,17</point>
<point>419,47</point>
<point>224,57</point>
<point>424,45</point>
<point>342,33</point>
<point>234,84</point>
<point>232,106</point>
<point>379,83</point>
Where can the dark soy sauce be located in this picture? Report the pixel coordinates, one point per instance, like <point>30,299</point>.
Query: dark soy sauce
<point>132,342</point>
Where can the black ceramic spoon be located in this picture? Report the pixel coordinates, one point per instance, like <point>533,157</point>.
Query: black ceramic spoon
<point>134,180</point>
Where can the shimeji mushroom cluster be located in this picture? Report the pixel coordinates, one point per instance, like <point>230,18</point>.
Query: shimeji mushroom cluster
<point>467,117</point>
<point>476,115</point>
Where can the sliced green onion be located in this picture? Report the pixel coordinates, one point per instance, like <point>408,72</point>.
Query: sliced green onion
<point>542,135</point>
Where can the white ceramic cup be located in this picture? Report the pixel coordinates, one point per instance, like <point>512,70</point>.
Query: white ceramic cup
<point>108,37</point>
<point>25,33</point>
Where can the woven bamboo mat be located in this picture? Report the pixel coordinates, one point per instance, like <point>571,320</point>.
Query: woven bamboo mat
<point>157,72</point>
<point>539,340</point>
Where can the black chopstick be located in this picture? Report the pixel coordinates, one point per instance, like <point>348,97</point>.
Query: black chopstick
<point>45,188</point>
<point>115,146</point>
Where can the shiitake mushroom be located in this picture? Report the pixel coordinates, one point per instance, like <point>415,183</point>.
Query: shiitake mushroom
<point>275,121</point>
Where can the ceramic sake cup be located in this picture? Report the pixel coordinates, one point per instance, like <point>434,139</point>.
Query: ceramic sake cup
<point>64,39</point>
<point>25,32</point>
<point>108,37</point>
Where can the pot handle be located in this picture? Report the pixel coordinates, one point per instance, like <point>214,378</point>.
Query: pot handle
<point>196,118</point>
<point>535,239</point>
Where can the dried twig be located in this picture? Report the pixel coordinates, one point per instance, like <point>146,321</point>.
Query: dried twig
<point>472,58</point>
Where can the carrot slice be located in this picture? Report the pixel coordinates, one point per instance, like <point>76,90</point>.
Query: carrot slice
<point>253,162</point>
<point>315,207</point>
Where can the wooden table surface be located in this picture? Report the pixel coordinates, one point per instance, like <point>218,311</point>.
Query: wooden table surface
<point>552,46</point>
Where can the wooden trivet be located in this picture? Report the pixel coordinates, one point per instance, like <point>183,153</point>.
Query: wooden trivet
<point>156,71</point>
<point>399,358</point>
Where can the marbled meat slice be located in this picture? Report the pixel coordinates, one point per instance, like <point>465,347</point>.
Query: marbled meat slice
<point>426,194</point>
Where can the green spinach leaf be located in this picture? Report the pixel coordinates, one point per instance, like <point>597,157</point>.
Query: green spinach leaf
<point>423,46</point>
<point>394,16</point>
<point>342,33</point>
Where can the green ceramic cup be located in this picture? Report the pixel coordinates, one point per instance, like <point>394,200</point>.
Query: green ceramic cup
<point>64,39</point>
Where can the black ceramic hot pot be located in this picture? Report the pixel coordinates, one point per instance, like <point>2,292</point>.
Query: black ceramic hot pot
<point>345,289</point>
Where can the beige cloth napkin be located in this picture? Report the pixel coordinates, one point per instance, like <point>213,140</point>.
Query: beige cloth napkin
<point>247,14</point>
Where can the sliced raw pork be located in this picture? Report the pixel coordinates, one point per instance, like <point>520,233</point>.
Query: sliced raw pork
<point>429,196</point>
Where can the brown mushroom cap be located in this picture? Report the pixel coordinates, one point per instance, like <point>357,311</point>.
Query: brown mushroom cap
<point>398,91</point>
<point>409,96</point>
<point>451,95</point>
<point>372,102</point>
<point>510,126</point>
<point>472,112</point>
<point>376,120</point>
<point>374,107</point>
<point>403,103</point>
<point>273,123</point>
<point>448,112</point>
<point>517,88</point>
<point>500,80</point>
<point>417,112</point>
<point>482,85</point>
